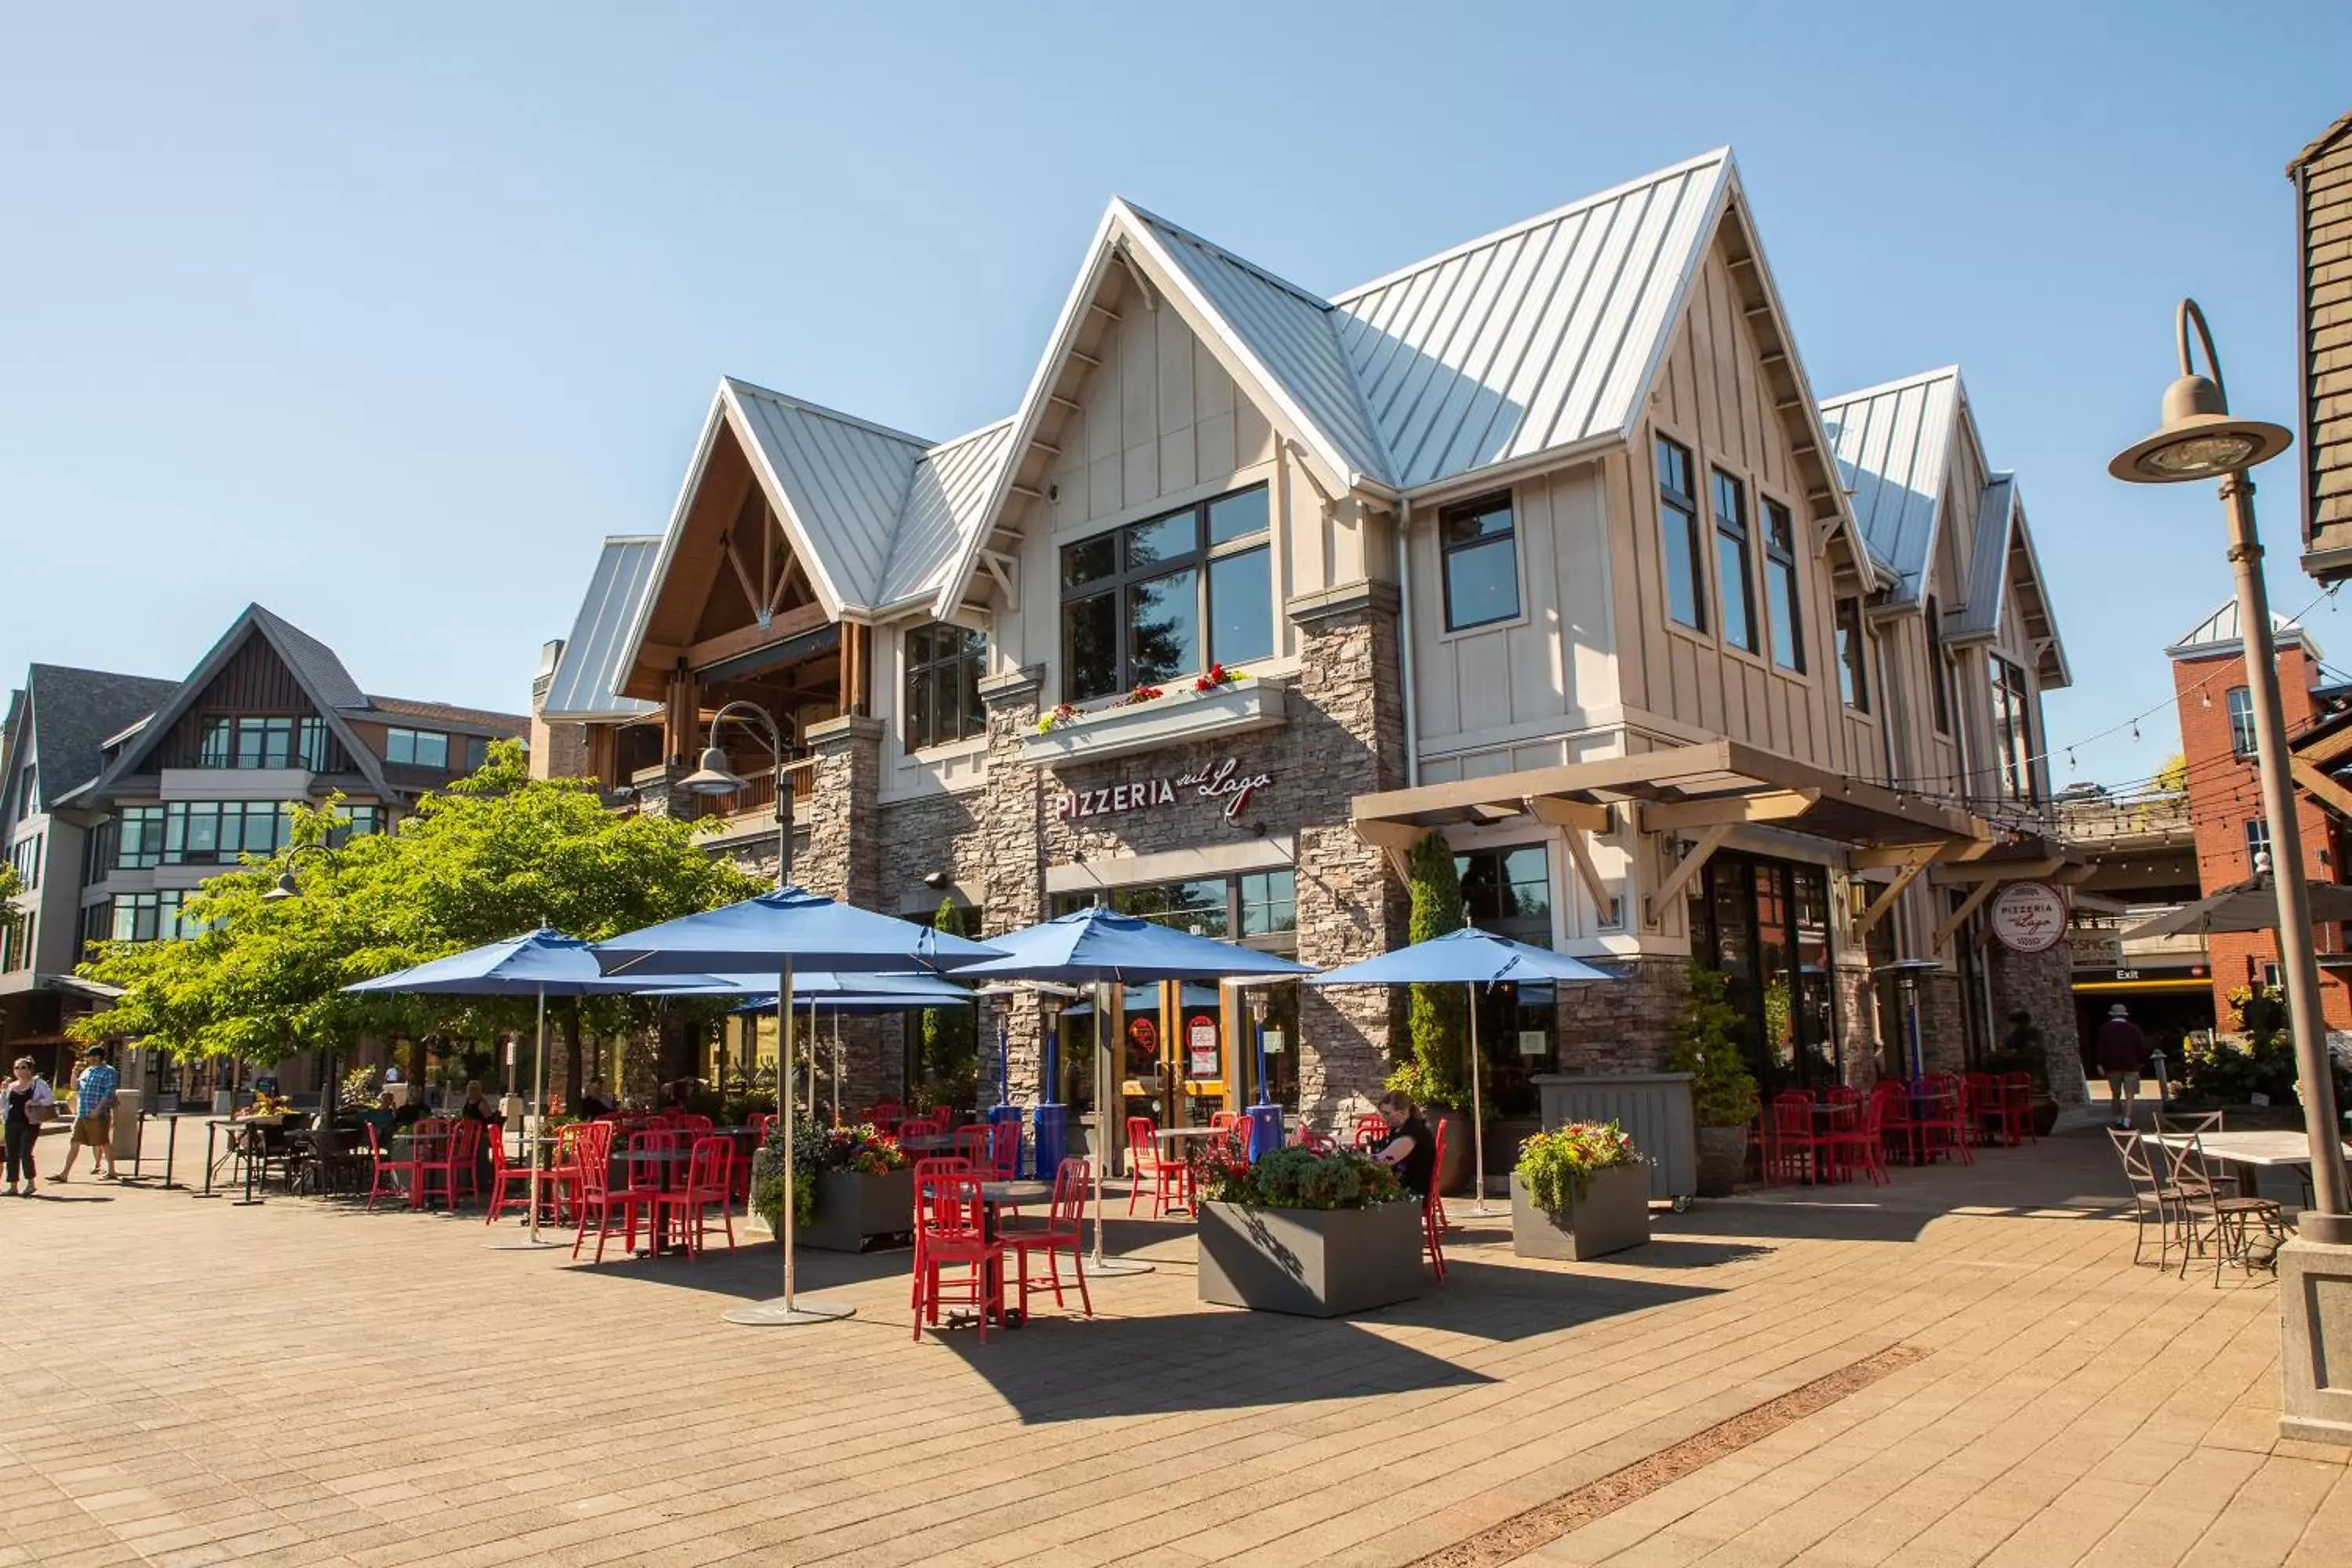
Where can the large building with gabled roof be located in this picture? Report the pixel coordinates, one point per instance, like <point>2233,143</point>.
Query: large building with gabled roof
<point>1544,544</point>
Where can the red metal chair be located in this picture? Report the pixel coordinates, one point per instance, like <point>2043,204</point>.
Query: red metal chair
<point>917,1127</point>
<point>1062,1232</point>
<point>600,1200</point>
<point>1859,1140</point>
<point>1759,1141</point>
<point>447,1162</point>
<point>950,1233</point>
<point>929,1173</point>
<point>2017,1109</point>
<point>690,1125</point>
<point>1943,1127</point>
<point>1221,1119</point>
<point>1798,1145</point>
<point>1890,1101</point>
<point>1307,1138</point>
<point>886,1115</point>
<point>1433,1213</point>
<point>563,1184</point>
<point>388,1169</point>
<point>709,1175</point>
<point>977,1143</point>
<point>1171,1179</point>
<point>1371,1132</point>
<point>506,1176</point>
<point>1980,1108</point>
<point>942,1114</point>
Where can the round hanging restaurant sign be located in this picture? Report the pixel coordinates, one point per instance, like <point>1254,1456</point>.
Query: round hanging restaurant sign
<point>2028,917</point>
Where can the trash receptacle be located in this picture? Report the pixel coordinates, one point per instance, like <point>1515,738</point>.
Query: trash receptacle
<point>128,1104</point>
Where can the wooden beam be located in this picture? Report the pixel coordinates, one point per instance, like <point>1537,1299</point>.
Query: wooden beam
<point>1070,404</point>
<point>744,639</point>
<point>1579,850</point>
<point>751,596</point>
<point>1393,839</point>
<point>1487,813</point>
<point>1998,871</point>
<point>1904,878</point>
<point>1960,917</point>
<point>1684,869</point>
<point>1951,851</point>
<point>1775,806</point>
<point>2322,785</point>
<point>2327,748</point>
<point>1575,816</point>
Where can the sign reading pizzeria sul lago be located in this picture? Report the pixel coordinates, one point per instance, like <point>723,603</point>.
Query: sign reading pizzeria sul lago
<point>1223,780</point>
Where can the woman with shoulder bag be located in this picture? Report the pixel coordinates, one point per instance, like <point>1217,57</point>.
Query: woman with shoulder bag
<point>29,1102</point>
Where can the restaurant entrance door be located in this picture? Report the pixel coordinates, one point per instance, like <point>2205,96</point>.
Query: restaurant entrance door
<point>1765,924</point>
<point>1173,1053</point>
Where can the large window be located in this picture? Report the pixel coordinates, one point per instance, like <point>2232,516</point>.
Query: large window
<point>418,748</point>
<point>2241,722</point>
<point>1508,891</point>
<point>943,668</point>
<point>1258,908</point>
<point>27,857</point>
<point>2258,844</point>
<point>1939,670</point>
<point>138,837</point>
<point>1166,597</point>
<point>1853,654</point>
<point>1678,526</point>
<point>1735,561</point>
<point>356,821</point>
<point>264,743</point>
<point>148,917</point>
<point>216,832</point>
<point>1782,591</point>
<point>1480,548</point>
<point>2013,728</point>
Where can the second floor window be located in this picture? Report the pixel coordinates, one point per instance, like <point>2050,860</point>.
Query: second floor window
<point>1735,561</point>
<point>355,822</point>
<point>1480,548</point>
<point>417,748</point>
<point>1782,587</point>
<point>2258,844</point>
<point>1678,537</point>
<point>2013,728</point>
<point>944,664</point>
<point>216,832</point>
<point>148,917</point>
<point>27,857</point>
<point>138,837</point>
<point>264,743</point>
<point>1853,654</point>
<point>1166,597</point>
<point>1508,891</point>
<point>2241,722</point>
<point>1939,671</point>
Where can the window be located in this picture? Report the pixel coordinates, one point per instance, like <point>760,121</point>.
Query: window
<point>2241,722</point>
<point>418,748</point>
<point>98,853</point>
<point>1780,587</point>
<point>1735,561</point>
<point>1168,596</point>
<point>96,924</point>
<point>149,917</point>
<point>1199,907</point>
<point>139,840</point>
<point>216,832</point>
<point>17,937</point>
<point>2258,844</point>
<point>29,791</point>
<point>1939,670</point>
<point>356,822</point>
<point>1269,902</point>
<point>263,742</point>
<point>477,751</point>
<point>943,668</point>
<point>1508,891</point>
<point>2013,728</point>
<point>1679,522</point>
<point>1852,656</point>
<point>27,857</point>
<point>1258,908</point>
<point>1480,550</point>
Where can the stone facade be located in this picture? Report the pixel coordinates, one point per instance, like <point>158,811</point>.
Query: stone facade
<point>1627,1026</point>
<point>2040,985</point>
<point>1009,865</point>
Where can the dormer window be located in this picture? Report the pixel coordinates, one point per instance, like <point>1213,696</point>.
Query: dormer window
<point>263,742</point>
<point>1166,597</point>
<point>416,747</point>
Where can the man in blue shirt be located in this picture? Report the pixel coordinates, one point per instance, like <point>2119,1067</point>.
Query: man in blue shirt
<point>93,1114</point>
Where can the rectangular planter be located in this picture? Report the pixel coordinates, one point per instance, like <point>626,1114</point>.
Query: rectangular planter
<point>1316,1263</point>
<point>1613,1214</point>
<point>852,1210</point>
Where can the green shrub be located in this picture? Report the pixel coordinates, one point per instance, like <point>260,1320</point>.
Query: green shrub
<point>1302,1179</point>
<point>1438,1019</point>
<point>1723,1091</point>
<point>817,1149</point>
<point>1555,1165</point>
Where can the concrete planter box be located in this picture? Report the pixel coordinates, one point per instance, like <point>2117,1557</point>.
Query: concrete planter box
<point>852,1209</point>
<point>1182,715</point>
<point>1722,1158</point>
<point>1316,1262</point>
<point>1613,1214</point>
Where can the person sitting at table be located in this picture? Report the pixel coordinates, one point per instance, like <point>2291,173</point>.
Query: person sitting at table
<point>476,1106</point>
<point>407,1109</point>
<point>1412,1148</point>
<point>593,1102</point>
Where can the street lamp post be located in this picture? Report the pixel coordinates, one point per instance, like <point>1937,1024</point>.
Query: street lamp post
<point>2199,440</point>
<point>714,777</point>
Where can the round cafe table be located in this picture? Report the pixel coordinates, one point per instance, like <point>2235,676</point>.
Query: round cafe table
<point>995,1196</point>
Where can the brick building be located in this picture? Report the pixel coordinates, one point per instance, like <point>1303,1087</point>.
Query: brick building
<point>2225,804</point>
<point>1544,544</point>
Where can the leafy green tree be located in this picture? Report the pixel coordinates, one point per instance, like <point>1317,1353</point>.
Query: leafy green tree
<point>948,1063</point>
<point>11,884</point>
<point>1437,1023</point>
<point>494,856</point>
<point>1706,1046</point>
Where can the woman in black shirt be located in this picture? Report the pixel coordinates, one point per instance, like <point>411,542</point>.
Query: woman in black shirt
<point>1410,1147</point>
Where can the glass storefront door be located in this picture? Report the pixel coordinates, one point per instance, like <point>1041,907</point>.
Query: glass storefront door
<point>1765,924</point>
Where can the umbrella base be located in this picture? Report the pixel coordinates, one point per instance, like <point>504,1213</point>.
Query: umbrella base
<point>777,1314</point>
<point>1112,1267</point>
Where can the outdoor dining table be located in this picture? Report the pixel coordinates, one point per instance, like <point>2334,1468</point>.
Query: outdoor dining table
<point>995,1196</point>
<point>2249,1153</point>
<point>668,1164</point>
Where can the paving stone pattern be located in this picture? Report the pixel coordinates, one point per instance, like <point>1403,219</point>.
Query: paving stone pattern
<point>302,1382</point>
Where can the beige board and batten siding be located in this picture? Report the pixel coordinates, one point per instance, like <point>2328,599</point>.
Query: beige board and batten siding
<point>1710,399</point>
<point>2326,260</point>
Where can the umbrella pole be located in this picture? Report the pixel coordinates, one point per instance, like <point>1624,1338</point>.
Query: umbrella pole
<point>837,1066</point>
<point>530,1152</point>
<point>786,1311</point>
<point>1108,1267</point>
<point>1477,1111</point>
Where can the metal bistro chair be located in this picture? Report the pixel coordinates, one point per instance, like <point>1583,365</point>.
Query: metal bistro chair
<point>2223,1221</point>
<point>2150,1203</point>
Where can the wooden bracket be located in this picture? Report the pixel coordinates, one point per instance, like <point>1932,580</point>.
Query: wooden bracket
<point>1949,851</point>
<point>1969,906</point>
<point>1003,569</point>
<point>752,595</point>
<point>1684,869</point>
<point>1923,857</point>
<point>1575,816</point>
<point>1579,850</point>
<point>1775,806</point>
<point>1393,839</point>
<point>2322,785</point>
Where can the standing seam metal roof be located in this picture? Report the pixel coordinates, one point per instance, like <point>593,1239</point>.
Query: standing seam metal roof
<point>943,503</point>
<point>587,678</point>
<point>843,478</point>
<point>1894,447</point>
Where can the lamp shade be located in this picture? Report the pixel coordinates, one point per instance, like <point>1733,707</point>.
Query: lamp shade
<point>713,776</point>
<point>2197,439</point>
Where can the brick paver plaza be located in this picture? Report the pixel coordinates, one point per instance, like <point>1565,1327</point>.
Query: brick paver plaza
<point>190,1382</point>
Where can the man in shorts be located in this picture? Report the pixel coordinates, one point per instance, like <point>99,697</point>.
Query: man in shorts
<point>2122,1051</point>
<point>93,1114</point>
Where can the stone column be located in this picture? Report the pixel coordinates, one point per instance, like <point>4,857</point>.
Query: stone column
<point>844,860</point>
<point>1627,1025</point>
<point>1348,731</point>
<point>1011,868</point>
<point>1855,1000</point>
<point>2041,984</point>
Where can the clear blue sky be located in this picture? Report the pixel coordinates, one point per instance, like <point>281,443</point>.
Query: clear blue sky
<point>384,315</point>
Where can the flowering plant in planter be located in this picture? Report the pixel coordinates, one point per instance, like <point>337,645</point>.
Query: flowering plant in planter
<point>1144,693</point>
<point>1555,1165</point>
<point>862,1149</point>
<point>1062,714</point>
<point>1302,1179</point>
<point>1217,675</point>
<point>268,1105</point>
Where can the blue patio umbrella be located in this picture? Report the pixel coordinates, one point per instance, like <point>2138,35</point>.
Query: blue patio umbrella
<point>784,929</point>
<point>1471,958</point>
<point>1095,946</point>
<point>540,964</point>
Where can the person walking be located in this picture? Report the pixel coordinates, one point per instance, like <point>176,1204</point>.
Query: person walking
<point>29,1102</point>
<point>2122,1051</point>
<point>93,1114</point>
